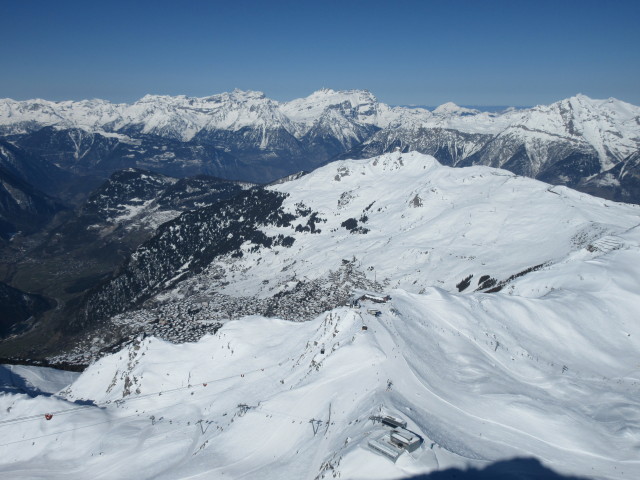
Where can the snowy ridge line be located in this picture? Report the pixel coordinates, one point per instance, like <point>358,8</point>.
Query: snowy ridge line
<point>125,400</point>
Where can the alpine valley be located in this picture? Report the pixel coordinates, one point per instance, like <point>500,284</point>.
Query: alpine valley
<point>446,293</point>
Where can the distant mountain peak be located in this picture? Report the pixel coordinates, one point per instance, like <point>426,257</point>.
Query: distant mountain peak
<point>451,108</point>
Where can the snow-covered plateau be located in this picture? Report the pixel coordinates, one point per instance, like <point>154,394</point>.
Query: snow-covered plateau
<point>504,327</point>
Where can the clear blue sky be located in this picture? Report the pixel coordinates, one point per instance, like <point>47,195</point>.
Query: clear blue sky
<point>480,52</point>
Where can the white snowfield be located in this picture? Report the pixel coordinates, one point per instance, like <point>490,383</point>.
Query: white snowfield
<point>546,368</point>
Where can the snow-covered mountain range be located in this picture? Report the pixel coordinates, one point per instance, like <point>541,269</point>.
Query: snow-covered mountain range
<point>494,314</point>
<point>245,135</point>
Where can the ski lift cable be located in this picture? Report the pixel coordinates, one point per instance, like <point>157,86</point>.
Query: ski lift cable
<point>38,416</point>
<point>106,403</point>
<point>109,402</point>
<point>111,421</point>
<point>69,430</point>
<point>114,421</point>
<point>117,420</point>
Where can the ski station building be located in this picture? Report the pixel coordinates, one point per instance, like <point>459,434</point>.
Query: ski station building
<point>393,443</point>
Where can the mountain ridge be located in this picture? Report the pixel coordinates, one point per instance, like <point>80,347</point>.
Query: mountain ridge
<point>244,135</point>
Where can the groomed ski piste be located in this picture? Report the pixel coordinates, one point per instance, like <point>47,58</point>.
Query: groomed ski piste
<point>546,368</point>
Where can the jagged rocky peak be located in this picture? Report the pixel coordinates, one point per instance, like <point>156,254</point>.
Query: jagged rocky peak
<point>155,98</point>
<point>359,103</point>
<point>241,109</point>
<point>354,96</point>
<point>331,96</point>
<point>584,101</point>
<point>181,117</point>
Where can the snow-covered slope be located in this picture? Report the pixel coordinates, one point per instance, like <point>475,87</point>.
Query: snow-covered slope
<point>564,143</point>
<point>480,378</point>
<point>510,332</point>
<point>620,183</point>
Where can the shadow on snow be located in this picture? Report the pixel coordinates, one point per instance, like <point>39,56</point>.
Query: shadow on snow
<point>514,469</point>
